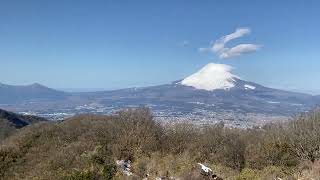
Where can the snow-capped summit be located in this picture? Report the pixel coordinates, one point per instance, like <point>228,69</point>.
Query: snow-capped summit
<point>211,77</point>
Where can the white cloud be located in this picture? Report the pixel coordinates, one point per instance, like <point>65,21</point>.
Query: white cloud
<point>238,50</point>
<point>224,52</point>
<point>219,44</point>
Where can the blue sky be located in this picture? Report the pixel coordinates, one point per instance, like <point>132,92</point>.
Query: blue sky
<point>117,44</point>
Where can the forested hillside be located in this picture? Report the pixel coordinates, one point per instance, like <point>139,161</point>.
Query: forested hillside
<point>91,147</point>
<point>10,122</point>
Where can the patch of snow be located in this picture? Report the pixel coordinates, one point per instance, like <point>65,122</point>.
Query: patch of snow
<point>125,167</point>
<point>211,77</point>
<point>205,168</point>
<point>247,86</point>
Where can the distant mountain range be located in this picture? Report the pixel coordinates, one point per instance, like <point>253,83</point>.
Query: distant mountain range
<point>34,92</point>
<point>212,90</point>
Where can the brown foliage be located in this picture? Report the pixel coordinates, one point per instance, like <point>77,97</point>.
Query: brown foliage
<point>87,146</point>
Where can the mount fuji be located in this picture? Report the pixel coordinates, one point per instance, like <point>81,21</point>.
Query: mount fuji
<point>212,94</point>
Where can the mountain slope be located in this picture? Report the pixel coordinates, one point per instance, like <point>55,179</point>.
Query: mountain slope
<point>211,94</point>
<point>242,98</point>
<point>34,92</point>
<point>214,85</point>
<point>10,122</point>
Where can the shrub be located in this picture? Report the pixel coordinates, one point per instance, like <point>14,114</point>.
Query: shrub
<point>81,175</point>
<point>248,174</point>
<point>304,136</point>
<point>87,146</point>
<point>135,132</point>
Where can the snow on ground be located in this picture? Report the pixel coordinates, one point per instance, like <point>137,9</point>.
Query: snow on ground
<point>205,168</point>
<point>247,86</point>
<point>211,77</point>
<point>125,167</point>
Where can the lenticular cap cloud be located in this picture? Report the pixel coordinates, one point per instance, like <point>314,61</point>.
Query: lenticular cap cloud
<point>238,50</point>
<point>224,52</point>
<point>219,44</point>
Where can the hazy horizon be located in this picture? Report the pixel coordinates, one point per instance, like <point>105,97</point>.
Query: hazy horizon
<point>104,45</point>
